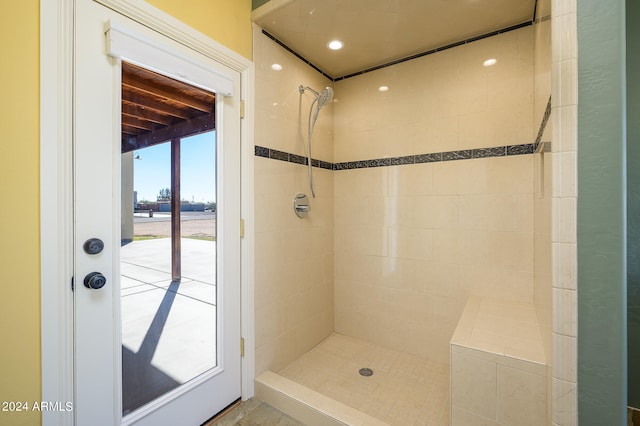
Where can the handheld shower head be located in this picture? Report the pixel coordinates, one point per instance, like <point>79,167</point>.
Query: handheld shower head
<point>321,99</point>
<point>325,96</point>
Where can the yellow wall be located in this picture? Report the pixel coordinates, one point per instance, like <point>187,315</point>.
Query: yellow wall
<point>227,21</point>
<point>19,217</point>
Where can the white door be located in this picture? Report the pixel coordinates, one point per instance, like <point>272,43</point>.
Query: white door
<point>103,341</point>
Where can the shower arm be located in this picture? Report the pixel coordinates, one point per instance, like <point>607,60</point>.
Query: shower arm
<point>302,88</point>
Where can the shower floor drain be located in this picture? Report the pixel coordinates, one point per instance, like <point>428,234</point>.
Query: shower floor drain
<point>366,372</point>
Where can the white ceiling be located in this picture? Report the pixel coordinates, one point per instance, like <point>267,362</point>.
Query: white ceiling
<point>376,32</point>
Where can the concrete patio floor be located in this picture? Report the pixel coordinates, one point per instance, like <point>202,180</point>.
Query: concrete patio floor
<point>168,327</point>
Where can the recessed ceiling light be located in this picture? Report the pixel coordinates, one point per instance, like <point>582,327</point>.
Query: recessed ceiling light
<point>383,88</point>
<point>335,45</point>
<point>276,67</point>
<point>489,62</point>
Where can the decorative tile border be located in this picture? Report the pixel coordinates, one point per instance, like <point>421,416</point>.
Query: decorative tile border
<point>467,154</point>
<point>274,154</point>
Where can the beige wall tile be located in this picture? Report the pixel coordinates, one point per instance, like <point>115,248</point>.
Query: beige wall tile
<point>564,220</point>
<point>410,180</point>
<point>521,397</point>
<point>565,363</point>
<point>565,403</point>
<point>435,212</point>
<point>564,99</point>
<point>568,140</point>
<point>510,175</point>
<point>565,271</point>
<point>473,385</point>
<point>511,250</point>
<point>369,240</point>
<point>437,278</point>
<point>473,248</point>
<point>460,417</point>
<point>434,134</point>
<point>542,70</point>
<point>277,353</point>
<point>441,102</point>
<point>495,283</point>
<point>353,324</point>
<point>460,177</point>
<point>291,314</point>
<point>564,309</point>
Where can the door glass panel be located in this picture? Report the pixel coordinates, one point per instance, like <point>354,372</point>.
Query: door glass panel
<point>168,265</point>
<point>198,245</point>
<point>198,217</point>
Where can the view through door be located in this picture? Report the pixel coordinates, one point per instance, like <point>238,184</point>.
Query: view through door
<point>169,329</point>
<point>168,235</point>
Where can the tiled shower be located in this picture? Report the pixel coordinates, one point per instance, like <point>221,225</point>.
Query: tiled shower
<point>429,192</point>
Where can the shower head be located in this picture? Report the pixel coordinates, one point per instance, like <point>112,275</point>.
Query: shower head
<point>325,96</point>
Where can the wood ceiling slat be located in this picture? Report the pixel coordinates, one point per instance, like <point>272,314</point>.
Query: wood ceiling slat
<point>186,98</point>
<point>146,114</point>
<point>157,106</point>
<point>132,131</point>
<point>170,84</point>
<point>139,123</point>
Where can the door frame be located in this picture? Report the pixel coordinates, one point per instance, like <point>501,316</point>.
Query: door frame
<point>56,187</point>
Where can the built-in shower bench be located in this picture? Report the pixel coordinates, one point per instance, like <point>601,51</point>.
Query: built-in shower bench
<point>498,365</point>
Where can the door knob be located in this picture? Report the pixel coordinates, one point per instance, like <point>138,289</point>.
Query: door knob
<point>93,246</point>
<point>95,280</point>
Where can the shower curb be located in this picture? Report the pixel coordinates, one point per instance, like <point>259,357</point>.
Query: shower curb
<point>307,405</point>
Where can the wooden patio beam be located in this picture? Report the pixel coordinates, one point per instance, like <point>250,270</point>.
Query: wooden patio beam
<point>195,126</point>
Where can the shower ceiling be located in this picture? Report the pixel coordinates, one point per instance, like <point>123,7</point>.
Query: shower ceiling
<point>376,32</point>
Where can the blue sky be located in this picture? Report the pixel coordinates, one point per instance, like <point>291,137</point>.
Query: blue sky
<point>152,171</point>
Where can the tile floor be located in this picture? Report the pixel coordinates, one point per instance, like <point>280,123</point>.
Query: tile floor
<point>254,412</point>
<point>404,388</point>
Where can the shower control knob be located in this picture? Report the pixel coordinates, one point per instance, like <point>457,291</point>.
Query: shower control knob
<point>95,280</point>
